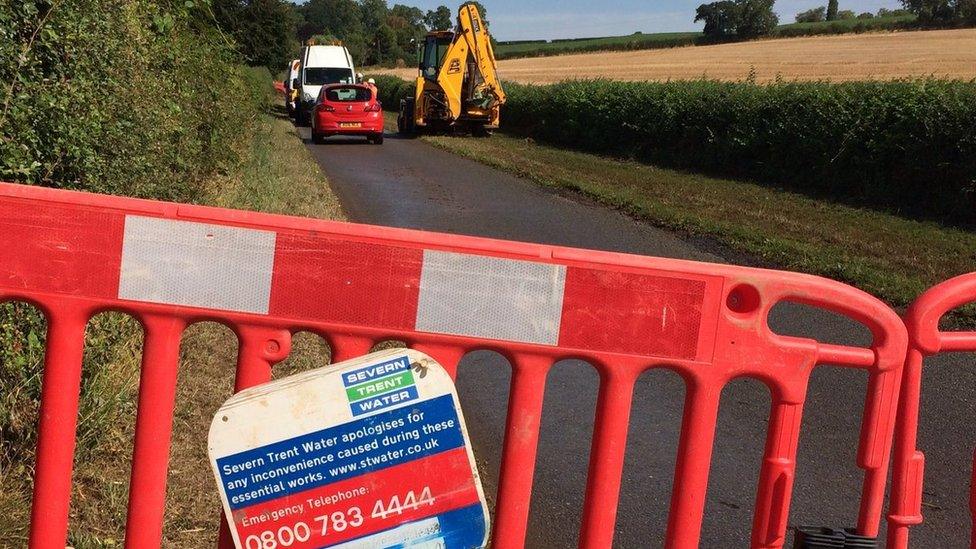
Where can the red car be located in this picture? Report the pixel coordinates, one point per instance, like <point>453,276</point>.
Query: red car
<point>347,109</point>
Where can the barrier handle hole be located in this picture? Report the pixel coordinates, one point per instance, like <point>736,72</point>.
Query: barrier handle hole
<point>744,299</point>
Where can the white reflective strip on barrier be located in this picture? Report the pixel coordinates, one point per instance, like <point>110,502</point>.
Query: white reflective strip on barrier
<point>196,264</point>
<point>489,297</point>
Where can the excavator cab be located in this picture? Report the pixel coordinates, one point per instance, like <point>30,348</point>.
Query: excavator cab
<point>432,56</point>
<point>457,85</point>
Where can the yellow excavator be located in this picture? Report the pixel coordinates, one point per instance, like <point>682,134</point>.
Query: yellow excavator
<point>458,86</point>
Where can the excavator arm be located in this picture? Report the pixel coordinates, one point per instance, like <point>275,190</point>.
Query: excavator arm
<point>471,41</point>
<point>475,33</point>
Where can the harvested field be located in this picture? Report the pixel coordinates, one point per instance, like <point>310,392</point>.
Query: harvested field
<point>942,54</point>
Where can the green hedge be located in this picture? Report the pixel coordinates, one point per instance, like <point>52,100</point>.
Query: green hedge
<point>391,89</point>
<point>136,97</point>
<point>514,50</point>
<point>906,146</point>
<point>848,26</point>
<point>133,97</point>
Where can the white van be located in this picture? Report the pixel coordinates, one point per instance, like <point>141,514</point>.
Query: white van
<point>320,65</point>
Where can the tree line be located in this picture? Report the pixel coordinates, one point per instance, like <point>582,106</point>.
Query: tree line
<point>943,13</point>
<point>938,13</point>
<point>832,12</point>
<point>730,19</point>
<point>270,32</point>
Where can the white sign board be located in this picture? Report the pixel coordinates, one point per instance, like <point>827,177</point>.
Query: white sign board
<point>372,452</point>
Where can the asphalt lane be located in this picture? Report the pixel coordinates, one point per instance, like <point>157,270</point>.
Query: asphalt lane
<point>407,183</point>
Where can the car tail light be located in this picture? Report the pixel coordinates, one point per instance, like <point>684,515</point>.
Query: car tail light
<point>375,107</point>
<point>328,108</point>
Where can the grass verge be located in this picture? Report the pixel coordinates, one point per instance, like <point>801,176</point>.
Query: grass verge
<point>277,174</point>
<point>891,257</point>
<point>280,177</point>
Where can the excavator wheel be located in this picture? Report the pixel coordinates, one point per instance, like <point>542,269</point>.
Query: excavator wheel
<point>405,123</point>
<point>478,130</point>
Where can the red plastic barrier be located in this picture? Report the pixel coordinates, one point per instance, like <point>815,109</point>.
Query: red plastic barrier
<point>266,276</point>
<point>926,339</point>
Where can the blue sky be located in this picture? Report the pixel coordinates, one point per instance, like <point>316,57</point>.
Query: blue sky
<point>522,20</point>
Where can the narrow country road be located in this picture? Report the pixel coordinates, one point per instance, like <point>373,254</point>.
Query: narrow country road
<point>407,183</point>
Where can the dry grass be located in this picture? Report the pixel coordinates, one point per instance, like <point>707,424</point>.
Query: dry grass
<point>942,54</point>
<point>207,367</point>
<point>282,178</point>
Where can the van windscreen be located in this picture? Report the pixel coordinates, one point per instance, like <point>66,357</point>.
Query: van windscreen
<point>352,94</point>
<point>318,76</point>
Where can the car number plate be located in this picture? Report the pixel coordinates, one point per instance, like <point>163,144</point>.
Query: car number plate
<point>350,124</point>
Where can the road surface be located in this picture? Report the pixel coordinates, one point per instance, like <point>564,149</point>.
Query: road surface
<point>408,183</point>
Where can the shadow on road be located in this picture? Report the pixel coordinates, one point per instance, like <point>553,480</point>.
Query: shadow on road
<point>339,141</point>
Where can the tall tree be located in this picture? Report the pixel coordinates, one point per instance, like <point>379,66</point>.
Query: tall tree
<point>483,11</point>
<point>721,18</point>
<point>438,19</point>
<point>832,7</point>
<point>264,30</point>
<point>932,12</point>
<point>386,50</point>
<point>756,18</point>
<point>374,13</point>
<point>408,24</point>
<point>967,11</point>
<point>814,15</point>
<point>340,18</point>
<point>743,18</point>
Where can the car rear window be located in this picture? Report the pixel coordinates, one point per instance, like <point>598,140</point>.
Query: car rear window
<point>348,95</point>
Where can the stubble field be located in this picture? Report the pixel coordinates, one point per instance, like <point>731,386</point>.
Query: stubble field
<point>882,56</point>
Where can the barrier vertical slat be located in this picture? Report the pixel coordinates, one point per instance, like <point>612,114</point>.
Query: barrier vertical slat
<point>519,451</point>
<point>258,350</point>
<point>345,347</point>
<point>60,391</point>
<point>906,498</point>
<point>692,464</point>
<point>771,515</point>
<point>606,458</point>
<point>154,428</point>
<point>252,367</point>
<point>875,450</point>
<point>922,320</point>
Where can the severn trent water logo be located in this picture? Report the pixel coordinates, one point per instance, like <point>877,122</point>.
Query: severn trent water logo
<point>380,386</point>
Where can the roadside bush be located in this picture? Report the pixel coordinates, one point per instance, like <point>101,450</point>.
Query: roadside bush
<point>121,96</point>
<point>127,97</point>
<point>906,146</point>
<point>391,89</point>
